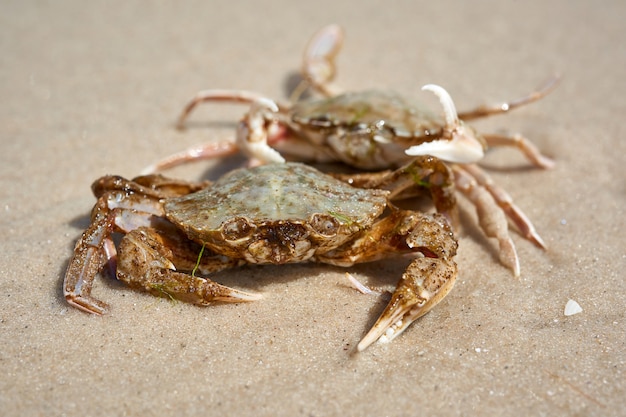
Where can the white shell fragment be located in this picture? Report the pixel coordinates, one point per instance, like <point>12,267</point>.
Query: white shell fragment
<point>572,307</point>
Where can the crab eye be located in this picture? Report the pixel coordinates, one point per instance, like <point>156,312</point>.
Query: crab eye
<point>236,229</point>
<point>324,224</point>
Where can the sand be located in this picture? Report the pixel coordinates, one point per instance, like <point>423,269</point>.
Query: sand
<point>95,88</point>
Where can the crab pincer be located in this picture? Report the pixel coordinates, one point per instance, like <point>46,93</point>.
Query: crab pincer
<point>424,284</point>
<point>426,281</point>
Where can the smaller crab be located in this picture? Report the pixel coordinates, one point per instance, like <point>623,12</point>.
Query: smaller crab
<point>271,214</point>
<point>369,130</point>
<point>375,130</point>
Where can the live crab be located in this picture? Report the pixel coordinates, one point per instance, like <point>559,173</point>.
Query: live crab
<point>372,131</point>
<point>271,214</point>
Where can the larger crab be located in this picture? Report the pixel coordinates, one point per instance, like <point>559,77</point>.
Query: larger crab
<point>374,130</point>
<point>271,214</point>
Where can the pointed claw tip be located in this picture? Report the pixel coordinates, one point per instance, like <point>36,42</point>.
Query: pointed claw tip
<point>150,169</point>
<point>514,266</point>
<point>180,123</point>
<point>326,41</point>
<point>248,296</point>
<point>449,109</point>
<point>364,344</point>
<point>547,163</point>
<point>94,307</point>
<point>508,254</point>
<point>517,273</point>
<point>538,241</point>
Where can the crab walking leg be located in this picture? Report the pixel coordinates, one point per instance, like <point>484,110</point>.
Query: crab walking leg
<point>89,258</point>
<point>490,217</point>
<point>275,135</point>
<point>157,274</point>
<point>428,278</point>
<point>524,145</point>
<point>254,131</point>
<point>504,200</point>
<point>259,134</point>
<point>484,111</point>
<point>95,249</point>
<point>208,151</point>
<point>231,96</point>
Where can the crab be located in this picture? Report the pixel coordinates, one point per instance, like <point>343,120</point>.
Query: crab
<point>374,131</point>
<point>269,214</point>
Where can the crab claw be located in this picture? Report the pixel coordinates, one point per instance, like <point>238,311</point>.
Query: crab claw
<point>425,283</point>
<point>460,143</point>
<point>252,134</point>
<point>318,67</point>
<point>157,274</point>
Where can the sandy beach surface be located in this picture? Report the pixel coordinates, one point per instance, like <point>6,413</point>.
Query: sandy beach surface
<point>94,88</point>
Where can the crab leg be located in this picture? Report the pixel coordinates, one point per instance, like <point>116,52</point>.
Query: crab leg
<point>89,257</point>
<point>231,96</point>
<point>318,67</point>
<point>504,200</point>
<point>428,278</point>
<point>254,132</point>
<point>208,151</point>
<point>484,111</point>
<point>525,146</point>
<point>490,217</point>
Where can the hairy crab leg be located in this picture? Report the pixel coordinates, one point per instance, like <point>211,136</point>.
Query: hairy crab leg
<point>490,217</point>
<point>505,201</point>
<point>87,260</point>
<point>484,111</point>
